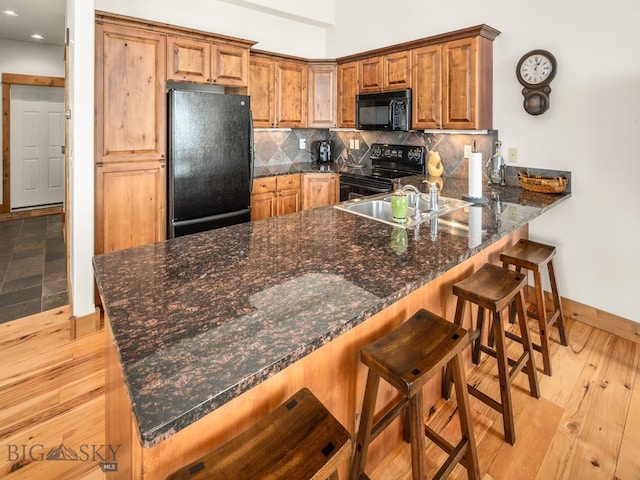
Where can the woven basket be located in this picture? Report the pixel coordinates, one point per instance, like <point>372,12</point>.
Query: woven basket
<point>537,183</point>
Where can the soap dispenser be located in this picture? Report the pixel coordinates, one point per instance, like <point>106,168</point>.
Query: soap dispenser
<point>496,174</point>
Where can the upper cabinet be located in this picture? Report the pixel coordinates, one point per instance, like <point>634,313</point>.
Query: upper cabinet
<point>451,76</point>
<point>291,94</point>
<point>467,87</point>
<point>385,72</point>
<point>427,87</point>
<point>322,92</point>
<point>347,91</point>
<point>397,71</point>
<point>452,85</point>
<point>370,75</point>
<point>130,89</point>
<point>192,60</point>
<point>278,90</point>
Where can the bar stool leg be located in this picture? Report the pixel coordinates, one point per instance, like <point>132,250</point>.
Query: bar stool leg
<point>504,380</point>
<point>557,303</point>
<point>477,341</point>
<point>542,322</point>
<point>466,425</point>
<point>364,430</point>
<point>418,468</point>
<point>534,386</point>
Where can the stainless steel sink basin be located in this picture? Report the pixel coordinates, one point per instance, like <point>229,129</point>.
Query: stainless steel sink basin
<point>378,207</point>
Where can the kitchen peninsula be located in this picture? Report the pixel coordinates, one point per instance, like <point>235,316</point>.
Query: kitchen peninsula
<point>207,333</point>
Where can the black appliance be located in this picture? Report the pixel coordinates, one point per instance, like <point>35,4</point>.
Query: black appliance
<point>322,151</point>
<point>210,164</point>
<point>384,111</point>
<point>389,163</point>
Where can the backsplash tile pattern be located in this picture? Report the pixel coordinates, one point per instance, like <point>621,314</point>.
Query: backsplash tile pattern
<point>282,147</point>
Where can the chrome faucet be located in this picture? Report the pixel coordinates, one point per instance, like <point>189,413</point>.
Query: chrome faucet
<point>433,195</point>
<point>416,207</point>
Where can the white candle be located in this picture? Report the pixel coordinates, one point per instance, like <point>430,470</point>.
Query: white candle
<point>475,175</point>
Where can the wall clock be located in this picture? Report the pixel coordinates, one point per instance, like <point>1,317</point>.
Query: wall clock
<point>535,71</point>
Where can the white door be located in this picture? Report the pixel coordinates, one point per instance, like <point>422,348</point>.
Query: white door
<point>37,137</point>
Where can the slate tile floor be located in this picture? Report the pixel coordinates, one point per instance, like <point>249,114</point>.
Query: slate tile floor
<point>33,269</point>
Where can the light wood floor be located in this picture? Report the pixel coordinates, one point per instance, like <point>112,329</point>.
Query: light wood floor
<point>586,425</point>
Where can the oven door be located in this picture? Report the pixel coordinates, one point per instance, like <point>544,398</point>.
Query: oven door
<point>351,188</point>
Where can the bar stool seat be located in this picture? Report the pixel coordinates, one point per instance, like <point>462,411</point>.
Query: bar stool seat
<point>534,256</point>
<point>299,440</point>
<point>493,288</point>
<point>407,358</point>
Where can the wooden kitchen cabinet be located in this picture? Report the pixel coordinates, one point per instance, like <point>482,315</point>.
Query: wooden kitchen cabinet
<point>289,194</point>
<point>278,90</point>
<point>347,91</point>
<point>323,91</point>
<point>427,87</point>
<point>451,77</point>
<point>320,189</point>
<point>130,205</point>
<point>291,94</point>
<point>130,137</point>
<point>396,71</point>
<point>452,85</point>
<point>370,73</point>
<point>262,89</point>
<point>192,60</point>
<point>273,196</point>
<point>130,94</point>
<point>386,72</point>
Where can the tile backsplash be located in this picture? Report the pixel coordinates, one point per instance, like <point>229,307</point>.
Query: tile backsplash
<point>282,146</point>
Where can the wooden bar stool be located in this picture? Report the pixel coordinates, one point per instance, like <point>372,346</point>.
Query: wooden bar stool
<point>493,288</point>
<point>407,358</point>
<point>535,257</point>
<point>298,440</point>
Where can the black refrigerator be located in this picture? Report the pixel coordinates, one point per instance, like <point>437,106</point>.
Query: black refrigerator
<point>210,164</point>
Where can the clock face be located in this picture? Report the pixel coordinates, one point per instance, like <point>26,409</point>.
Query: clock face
<point>536,68</point>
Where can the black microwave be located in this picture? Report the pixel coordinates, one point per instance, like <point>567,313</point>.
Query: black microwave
<point>384,111</point>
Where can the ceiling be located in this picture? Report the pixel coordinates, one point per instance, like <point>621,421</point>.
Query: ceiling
<point>46,17</point>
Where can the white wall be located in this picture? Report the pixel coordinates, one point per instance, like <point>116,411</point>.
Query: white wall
<point>273,33</point>
<point>590,129</point>
<point>28,58</point>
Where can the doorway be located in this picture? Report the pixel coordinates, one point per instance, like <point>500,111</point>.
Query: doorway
<point>9,82</point>
<point>34,255</point>
<point>36,142</point>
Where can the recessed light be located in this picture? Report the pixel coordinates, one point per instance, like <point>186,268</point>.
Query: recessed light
<point>37,36</point>
<point>10,13</point>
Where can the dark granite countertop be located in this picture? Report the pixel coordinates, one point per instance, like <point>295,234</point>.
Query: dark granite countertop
<point>200,319</point>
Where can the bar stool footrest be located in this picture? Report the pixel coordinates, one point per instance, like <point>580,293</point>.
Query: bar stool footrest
<point>483,397</point>
<point>516,338</point>
<point>379,426</point>
<point>456,456</point>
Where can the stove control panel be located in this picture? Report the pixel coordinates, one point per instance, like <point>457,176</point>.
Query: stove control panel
<point>397,153</point>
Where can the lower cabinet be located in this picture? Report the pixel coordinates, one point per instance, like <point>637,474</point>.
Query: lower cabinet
<point>130,205</point>
<point>272,196</point>
<point>279,195</point>
<point>320,189</point>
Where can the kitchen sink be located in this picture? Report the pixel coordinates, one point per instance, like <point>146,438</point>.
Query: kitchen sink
<point>378,207</point>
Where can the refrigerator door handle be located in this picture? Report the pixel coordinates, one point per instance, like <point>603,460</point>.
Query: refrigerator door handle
<point>251,151</point>
<point>182,223</point>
